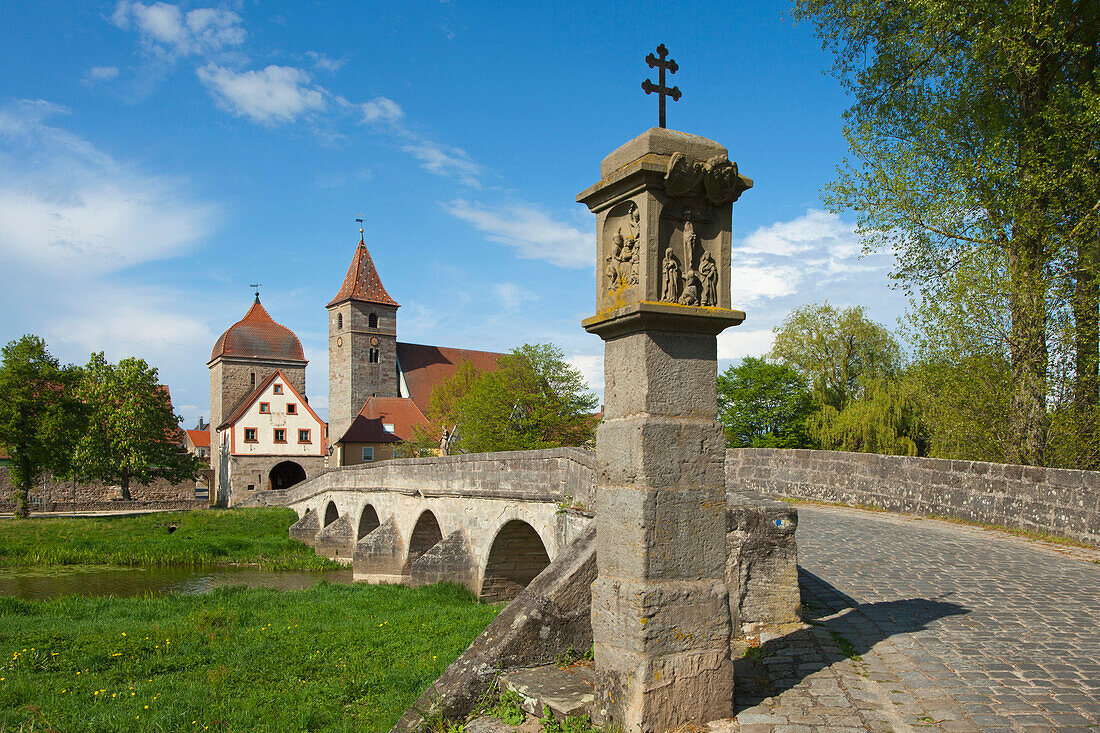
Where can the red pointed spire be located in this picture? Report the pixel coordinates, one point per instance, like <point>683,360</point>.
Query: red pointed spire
<point>362,281</point>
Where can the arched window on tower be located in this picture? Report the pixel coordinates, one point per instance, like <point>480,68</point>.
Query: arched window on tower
<point>339,320</point>
<point>373,355</point>
<point>372,320</point>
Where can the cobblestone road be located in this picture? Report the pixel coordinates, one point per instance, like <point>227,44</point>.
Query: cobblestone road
<point>925,625</point>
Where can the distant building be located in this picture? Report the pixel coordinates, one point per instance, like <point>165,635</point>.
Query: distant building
<point>197,440</point>
<point>379,387</point>
<point>263,434</point>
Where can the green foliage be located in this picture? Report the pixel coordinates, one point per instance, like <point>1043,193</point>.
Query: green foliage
<point>973,137</point>
<point>572,724</point>
<point>836,351</point>
<point>886,420</point>
<point>330,658</point>
<point>762,405</point>
<point>534,399</point>
<point>203,538</point>
<point>40,416</point>
<point>132,433</point>
<point>508,708</point>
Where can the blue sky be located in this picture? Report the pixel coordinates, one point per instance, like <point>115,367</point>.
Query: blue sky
<point>156,159</point>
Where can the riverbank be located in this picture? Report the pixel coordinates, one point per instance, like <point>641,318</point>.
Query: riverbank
<point>255,537</point>
<point>330,658</point>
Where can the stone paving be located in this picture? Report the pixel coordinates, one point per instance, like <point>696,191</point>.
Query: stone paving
<point>922,624</point>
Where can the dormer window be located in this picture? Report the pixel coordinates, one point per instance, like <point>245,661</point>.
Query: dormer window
<point>372,320</point>
<point>277,389</point>
<point>388,427</point>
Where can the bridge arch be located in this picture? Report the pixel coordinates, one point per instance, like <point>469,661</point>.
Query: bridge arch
<point>331,513</point>
<point>284,475</point>
<point>368,521</point>
<point>516,556</point>
<point>425,534</point>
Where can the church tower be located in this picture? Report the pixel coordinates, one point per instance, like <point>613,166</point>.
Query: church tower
<point>362,343</point>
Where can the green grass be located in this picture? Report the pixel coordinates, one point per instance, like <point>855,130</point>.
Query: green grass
<point>331,658</point>
<point>204,538</point>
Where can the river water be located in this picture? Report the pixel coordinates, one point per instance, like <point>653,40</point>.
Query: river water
<point>53,582</point>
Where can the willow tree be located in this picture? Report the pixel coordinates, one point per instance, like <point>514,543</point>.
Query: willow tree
<point>975,129</point>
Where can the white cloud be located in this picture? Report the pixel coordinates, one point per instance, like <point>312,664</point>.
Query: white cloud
<point>66,207</point>
<point>169,33</point>
<point>510,295</point>
<point>753,283</point>
<point>591,368</point>
<point>100,73</point>
<point>445,160</point>
<point>737,343</point>
<point>815,230</point>
<point>532,233</point>
<point>274,94</point>
<point>381,109</point>
<point>324,63</point>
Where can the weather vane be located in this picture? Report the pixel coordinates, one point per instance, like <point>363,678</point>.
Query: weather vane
<point>659,87</point>
<point>256,286</point>
<point>360,220</point>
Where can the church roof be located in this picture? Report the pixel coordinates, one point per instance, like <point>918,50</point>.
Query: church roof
<point>424,367</point>
<point>257,336</point>
<point>362,281</point>
<point>368,425</point>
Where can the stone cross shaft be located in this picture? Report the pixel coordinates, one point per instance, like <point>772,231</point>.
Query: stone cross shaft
<point>660,608</point>
<point>660,87</point>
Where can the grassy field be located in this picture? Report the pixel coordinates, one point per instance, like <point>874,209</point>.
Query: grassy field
<point>205,538</point>
<point>332,658</point>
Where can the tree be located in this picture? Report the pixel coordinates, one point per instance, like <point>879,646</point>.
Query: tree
<point>762,405</point>
<point>40,417</point>
<point>975,132</point>
<point>836,352</point>
<point>132,433</point>
<point>534,399</point>
<point>887,419</point>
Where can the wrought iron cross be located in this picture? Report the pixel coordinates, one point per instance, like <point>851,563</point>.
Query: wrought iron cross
<point>660,87</point>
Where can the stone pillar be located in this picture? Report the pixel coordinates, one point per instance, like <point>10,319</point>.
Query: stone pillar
<point>660,608</point>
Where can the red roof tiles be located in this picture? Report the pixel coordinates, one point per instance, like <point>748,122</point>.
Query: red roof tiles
<point>424,367</point>
<point>362,281</point>
<point>368,425</point>
<point>257,336</point>
<point>199,438</point>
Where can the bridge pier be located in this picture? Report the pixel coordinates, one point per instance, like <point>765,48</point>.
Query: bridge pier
<point>447,560</point>
<point>379,557</point>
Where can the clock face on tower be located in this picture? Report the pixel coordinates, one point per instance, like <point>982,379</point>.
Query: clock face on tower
<point>339,340</point>
<point>373,340</point>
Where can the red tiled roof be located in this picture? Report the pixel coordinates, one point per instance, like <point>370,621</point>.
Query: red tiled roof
<point>258,336</point>
<point>362,281</point>
<point>367,427</point>
<point>199,438</point>
<point>424,367</point>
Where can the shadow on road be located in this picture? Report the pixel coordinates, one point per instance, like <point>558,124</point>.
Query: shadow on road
<point>840,628</point>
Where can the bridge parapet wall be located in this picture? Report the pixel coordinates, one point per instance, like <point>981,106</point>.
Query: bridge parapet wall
<point>1052,500</point>
<point>559,474</point>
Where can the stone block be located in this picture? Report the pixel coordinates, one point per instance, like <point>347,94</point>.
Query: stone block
<point>306,529</point>
<point>380,556</point>
<point>660,618</point>
<point>660,452</point>
<point>654,695</point>
<point>661,533</point>
<point>659,141</point>
<point>566,692</point>
<point>662,373</point>
<point>448,560</point>
<point>762,565</point>
<point>336,541</point>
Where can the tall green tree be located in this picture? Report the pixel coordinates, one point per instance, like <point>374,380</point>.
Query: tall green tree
<point>132,434</point>
<point>534,399</point>
<point>886,419</point>
<point>974,131</point>
<point>762,405</point>
<point>40,415</point>
<point>836,351</point>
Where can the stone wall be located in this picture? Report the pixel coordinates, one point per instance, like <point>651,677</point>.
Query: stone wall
<point>51,494</point>
<point>1056,501</point>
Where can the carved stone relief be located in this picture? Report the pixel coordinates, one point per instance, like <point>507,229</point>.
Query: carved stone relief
<point>689,273</point>
<point>625,251</point>
<point>721,183</point>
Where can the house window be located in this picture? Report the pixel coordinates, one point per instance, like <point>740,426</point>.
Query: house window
<point>373,356</point>
<point>372,320</point>
<point>368,453</point>
<point>250,435</point>
<point>291,408</point>
<point>280,435</point>
<point>265,408</point>
<point>277,389</point>
<point>303,435</point>
<point>252,487</point>
<point>339,320</point>
<point>388,427</point>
